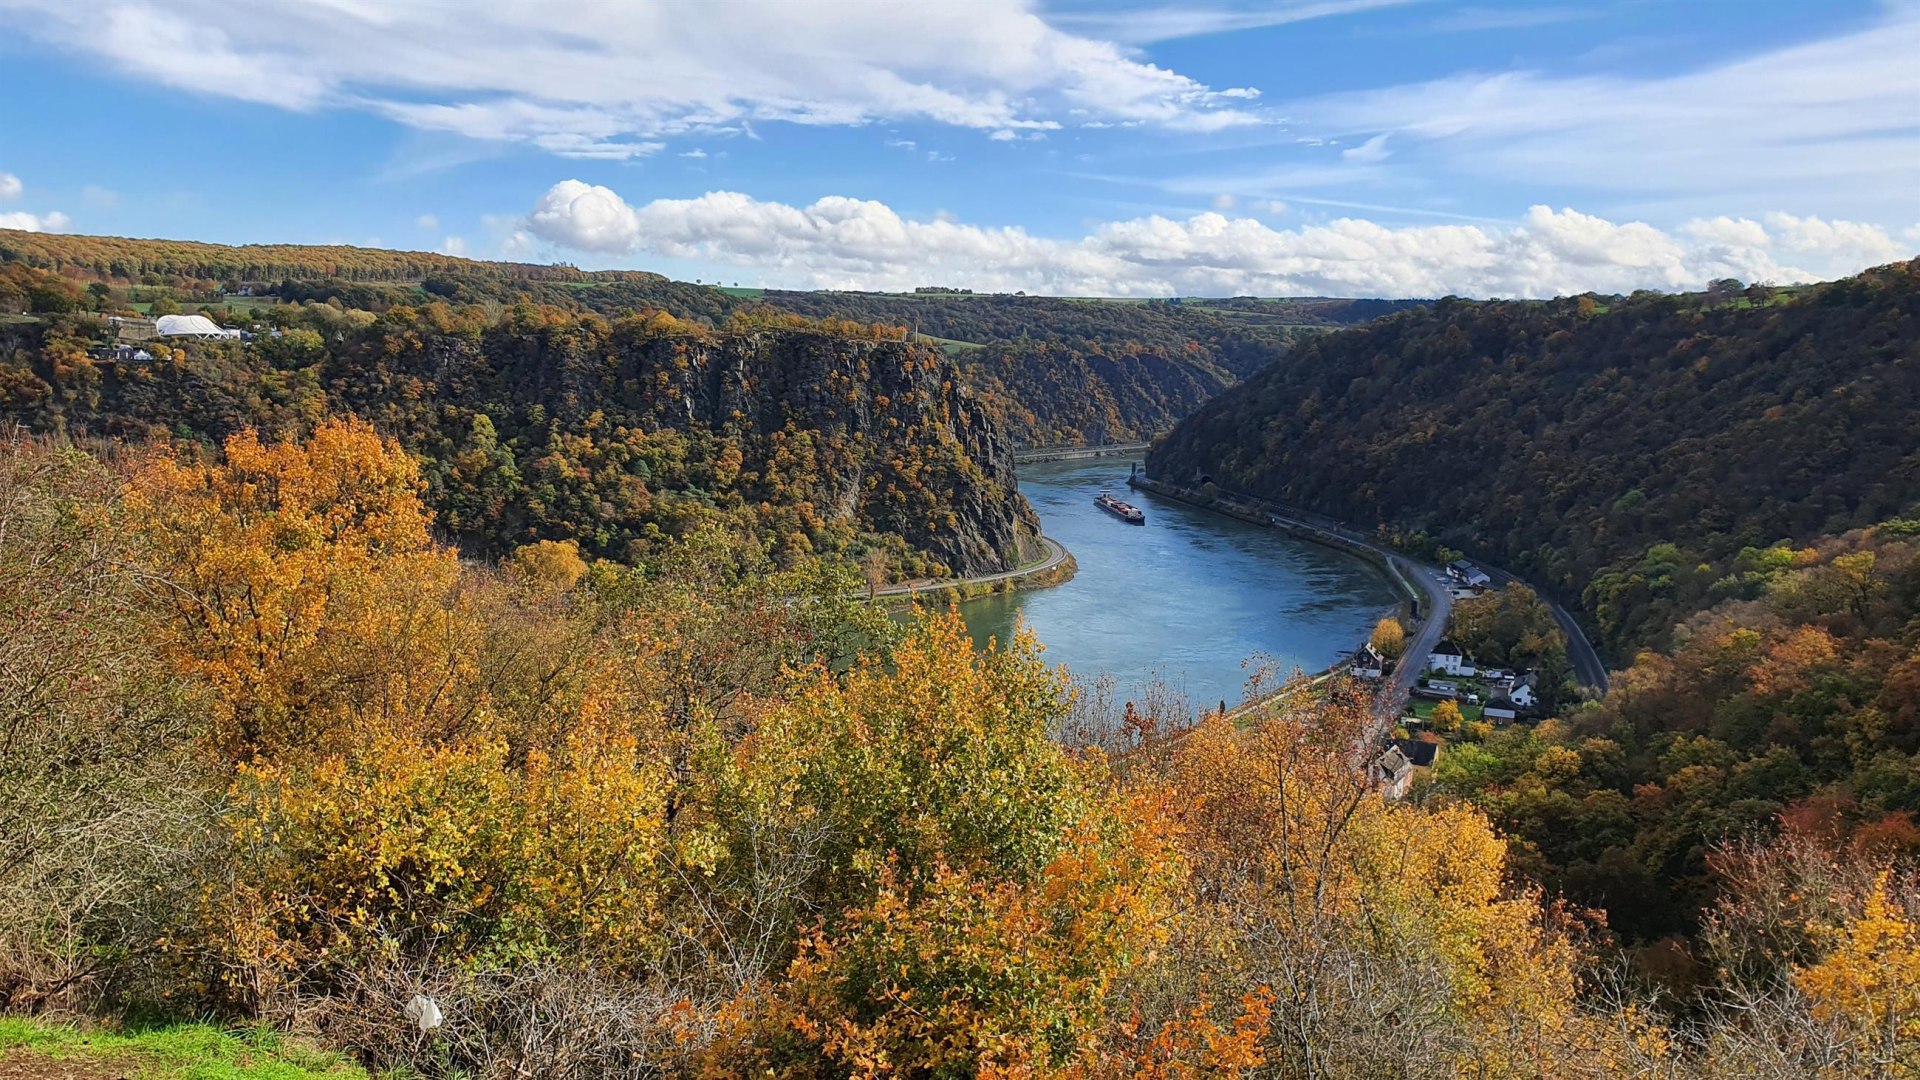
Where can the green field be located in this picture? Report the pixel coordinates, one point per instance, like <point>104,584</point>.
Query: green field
<point>35,1048</point>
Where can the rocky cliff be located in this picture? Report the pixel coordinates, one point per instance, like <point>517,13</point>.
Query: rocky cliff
<point>623,436</point>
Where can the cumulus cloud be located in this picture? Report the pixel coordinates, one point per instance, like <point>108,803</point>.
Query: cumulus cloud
<point>610,79</point>
<point>49,222</point>
<point>453,245</point>
<point>10,186</point>
<point>585,217</point>
<point>840,242</point>
<point>427,223</point>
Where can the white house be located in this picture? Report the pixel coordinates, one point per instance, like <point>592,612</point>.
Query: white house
<point>1500,709</point>
<point>1522,691</point>
<point>1367,663</point>
<point>1448,657</point>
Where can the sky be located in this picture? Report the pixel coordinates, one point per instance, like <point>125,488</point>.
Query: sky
<point>1401,148</point>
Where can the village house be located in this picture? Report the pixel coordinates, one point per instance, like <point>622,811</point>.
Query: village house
<point>1367,663</point>
<point>1500,709</point>
<point>1468,574</point>
<point>1419,752</point>
<point>1393,772</point>
<point>1449,658</point>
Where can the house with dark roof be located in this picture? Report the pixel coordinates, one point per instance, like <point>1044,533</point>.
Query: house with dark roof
<point>1500,709</point>
<point>1450,658</point>
<point>1367,663</point>
<point>1419,752</point>
<point>1393,772</point>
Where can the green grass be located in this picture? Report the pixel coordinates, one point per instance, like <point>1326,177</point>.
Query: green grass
<point>175,1052</point>
<point>1423,708</point>
<point>741,290</point>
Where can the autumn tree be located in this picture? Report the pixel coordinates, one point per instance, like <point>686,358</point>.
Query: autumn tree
<point>1389,637</point>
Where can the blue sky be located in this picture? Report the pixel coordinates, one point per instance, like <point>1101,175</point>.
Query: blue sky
<point>1376,147</point>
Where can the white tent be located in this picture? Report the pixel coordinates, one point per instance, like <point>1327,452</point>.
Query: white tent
<point>196,326</point>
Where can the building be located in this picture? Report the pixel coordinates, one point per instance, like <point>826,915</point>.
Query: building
<point>190,326</point>
<point>1449,658</point>
<point>119,352</point>
<point>1523,691</point>
<point>136,330</point>
<point>1419,752</point>
<point>1367,663</point>
<point>1393,772</point>
<point>1468,574</point>
<point>1500,709</point>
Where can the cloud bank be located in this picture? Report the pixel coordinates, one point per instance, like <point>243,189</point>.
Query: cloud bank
<point>609,79</point>
<point>840,242</point>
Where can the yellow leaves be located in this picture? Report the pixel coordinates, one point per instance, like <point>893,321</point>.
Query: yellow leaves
<point>298,572</point>
<point>1870,982</point>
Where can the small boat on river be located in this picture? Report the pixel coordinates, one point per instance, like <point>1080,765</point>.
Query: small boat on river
<point>1125,511</point>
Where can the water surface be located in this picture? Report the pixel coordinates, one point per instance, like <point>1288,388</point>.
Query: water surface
<point>1185,598</point>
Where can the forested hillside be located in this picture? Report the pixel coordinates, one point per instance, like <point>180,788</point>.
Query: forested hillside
<point>1051,370</point>
<point>623,436</point>
<point>1622,453</point>
<point>706,817</point>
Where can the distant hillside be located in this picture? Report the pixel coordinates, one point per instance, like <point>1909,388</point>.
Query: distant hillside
<point>1620,452</point>
<point>1053,370</point>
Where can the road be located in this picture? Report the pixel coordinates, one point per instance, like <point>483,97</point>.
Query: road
<point>1056,554</point>
<point>1588,668</point>
<point>1392,696</point>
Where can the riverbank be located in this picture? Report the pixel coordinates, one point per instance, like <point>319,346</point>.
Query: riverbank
<point>1414,581</point>
<point>1055,567</point>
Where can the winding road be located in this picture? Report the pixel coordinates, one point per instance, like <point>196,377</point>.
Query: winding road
<point>1056,554</point>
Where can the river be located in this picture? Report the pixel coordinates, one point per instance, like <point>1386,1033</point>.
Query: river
<point>1183,599</point>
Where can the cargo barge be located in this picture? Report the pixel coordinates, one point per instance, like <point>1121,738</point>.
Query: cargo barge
<point>1125,511</point>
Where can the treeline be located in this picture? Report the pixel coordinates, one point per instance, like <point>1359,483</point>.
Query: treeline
<point>154,261</point>
<point>625,436</point>
<point>1622,453</point>
<point>276,757</point>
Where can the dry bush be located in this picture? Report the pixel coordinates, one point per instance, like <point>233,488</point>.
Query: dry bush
<point>103,814</point>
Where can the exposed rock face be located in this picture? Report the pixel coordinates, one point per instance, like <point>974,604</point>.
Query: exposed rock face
<point>624,436</point>
<point>884,436</point>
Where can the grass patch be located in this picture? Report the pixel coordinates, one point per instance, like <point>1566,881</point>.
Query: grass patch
<point>172,1052</point>
<point>741,290</point>
<point>1423,708</point>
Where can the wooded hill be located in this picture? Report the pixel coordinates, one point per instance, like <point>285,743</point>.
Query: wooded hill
<point>1052,370</point>
<point>1621,453</point>
<point>625,436</point>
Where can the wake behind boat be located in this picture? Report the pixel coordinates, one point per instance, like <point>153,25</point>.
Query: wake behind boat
<point>1125,511</point>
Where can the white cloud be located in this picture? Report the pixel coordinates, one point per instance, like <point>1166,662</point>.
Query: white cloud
<point>609,80</point>
<point>696,152</point>
<point>1143,26</point>
<point>10,186</point>
<point>427,223</point>
<point>50,222</point>
<point>1367,153</point>
<point>1833,117</point>
<point>1275,207</point>
<point>586,217</point>
<point>839,242</point>
<point>453,245</point>
<point>1003,135</point>
<point>1223,201</point>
